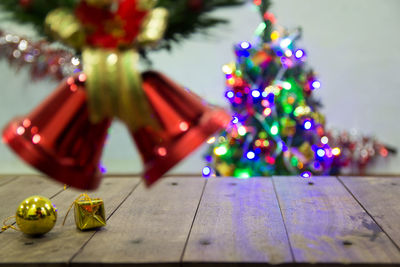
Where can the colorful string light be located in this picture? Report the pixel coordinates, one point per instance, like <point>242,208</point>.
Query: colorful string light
<point>277,128</point>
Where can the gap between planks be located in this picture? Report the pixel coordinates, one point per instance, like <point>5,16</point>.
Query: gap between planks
<point>63,241</point>
<point>381,226</point>
<point>319,218</point>
<point>194,218</point>
<point>283,218</point>
<point>238,223</point>
<point>108,217</point>
<point>5,179</point>
<point>150,228</point>
<point>201,199</point>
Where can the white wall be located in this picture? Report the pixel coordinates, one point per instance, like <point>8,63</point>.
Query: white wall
<point>353,45</point>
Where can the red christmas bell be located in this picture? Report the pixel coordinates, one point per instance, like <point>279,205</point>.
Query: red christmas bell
<point>58,139</point>
<point>186,121</point>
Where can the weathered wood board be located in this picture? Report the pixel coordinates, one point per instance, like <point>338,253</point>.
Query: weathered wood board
<point>238,221</point>
<point>59,245</point>
<point>216,222</point>
<point>325,224</point>
<point>151,227</point>
<point>380,196</point>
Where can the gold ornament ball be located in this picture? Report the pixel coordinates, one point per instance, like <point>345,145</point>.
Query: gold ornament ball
<point>36,215</point>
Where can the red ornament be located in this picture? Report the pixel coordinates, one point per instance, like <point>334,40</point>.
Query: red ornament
<point>196,5</point>
<point>257,2</point>
<point>108,29</point>
<point>186,122</point>
<point>270,16</point>
<point>58,139</point>
<point>25,3</point>
<point>132,19</point>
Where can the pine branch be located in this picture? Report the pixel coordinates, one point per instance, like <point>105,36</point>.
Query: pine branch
<point>186,16</point>
<point>34,13</point>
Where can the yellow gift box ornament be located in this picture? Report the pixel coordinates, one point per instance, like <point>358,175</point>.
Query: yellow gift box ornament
<point>89,212</point>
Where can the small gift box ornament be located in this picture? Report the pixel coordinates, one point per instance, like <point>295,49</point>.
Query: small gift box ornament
<point>89,213</point>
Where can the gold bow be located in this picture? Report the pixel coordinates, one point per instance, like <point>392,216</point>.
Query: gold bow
<point>113,82</point>
<point>83,197</point>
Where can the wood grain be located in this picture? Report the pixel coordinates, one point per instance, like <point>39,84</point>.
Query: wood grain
<point>381,198</point>
<point>231,223</point>
<point>325,224</point>
<point>14,192</point>
<point>5,179</point>
<point>151,227</point>
<point>238,221</point>
<point>59,245</point>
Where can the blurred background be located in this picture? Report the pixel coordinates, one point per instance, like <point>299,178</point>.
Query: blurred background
<point>354,46</point>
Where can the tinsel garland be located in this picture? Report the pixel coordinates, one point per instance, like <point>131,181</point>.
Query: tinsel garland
<point>42,60</point>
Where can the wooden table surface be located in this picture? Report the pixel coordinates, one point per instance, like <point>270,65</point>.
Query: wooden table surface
<point>189,221</point>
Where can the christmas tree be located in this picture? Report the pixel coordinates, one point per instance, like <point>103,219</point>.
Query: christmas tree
<point>277,127</point>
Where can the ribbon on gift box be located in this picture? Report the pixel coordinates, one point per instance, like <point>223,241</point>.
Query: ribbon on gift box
<point>89,213</point>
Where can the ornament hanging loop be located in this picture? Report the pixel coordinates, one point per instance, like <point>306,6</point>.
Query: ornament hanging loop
<point>83,196</point>
<point>8,226</point>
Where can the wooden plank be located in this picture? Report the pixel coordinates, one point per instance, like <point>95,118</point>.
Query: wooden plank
<point>57,247</point>
<point>325,224</point>
<point>151,227</point>
<point>381,198</point>
<point>14,192</point>
<point>5,179</point>
<point>238,221</point>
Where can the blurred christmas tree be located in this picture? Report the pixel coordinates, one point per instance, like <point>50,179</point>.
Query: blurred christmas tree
<point>277,128</point>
